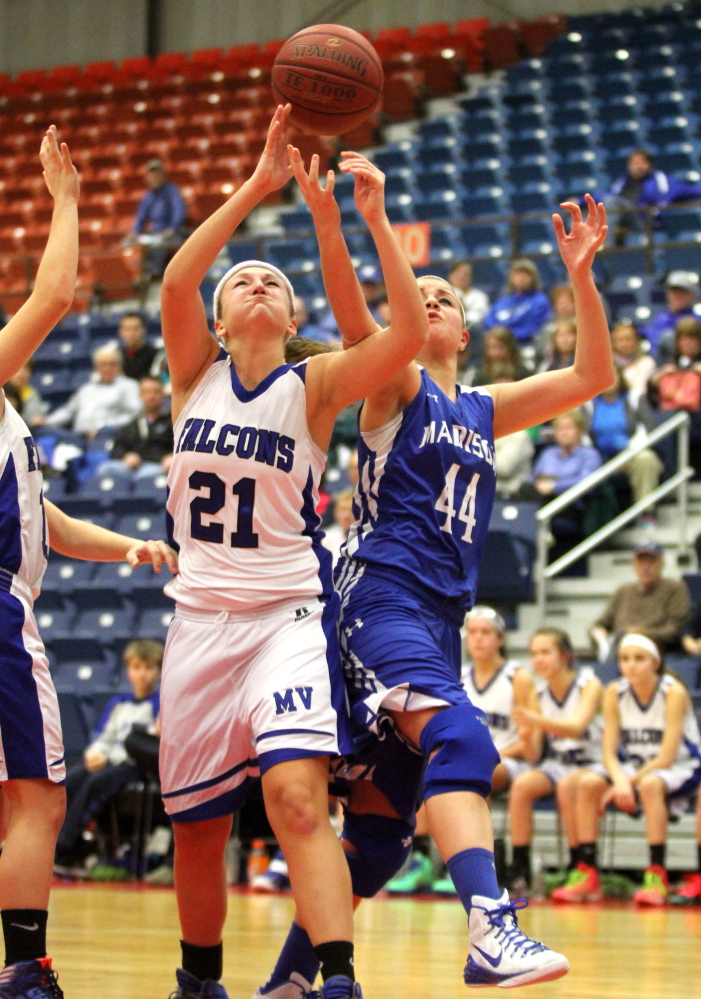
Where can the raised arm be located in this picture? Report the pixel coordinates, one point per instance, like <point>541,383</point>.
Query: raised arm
<point>54,286</point>
<point>535,400</point>
<point>355,321</point>
<point>190,346</point>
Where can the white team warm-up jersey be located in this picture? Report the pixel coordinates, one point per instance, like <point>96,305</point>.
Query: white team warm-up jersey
<point>243,492</point>
<point>642,728</point>
<point>496,699</point>
<point>24,535</point>
<point>569,750</point>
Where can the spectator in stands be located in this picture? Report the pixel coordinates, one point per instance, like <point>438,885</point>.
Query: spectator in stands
<point>514,462</point>
<point>563,341</point>
<point>655,605</point>
<point>336,534</point>
<point>628,353</point>
<point>677,386</point>
<point>525,307</point>
<point>681,295</point>
<point>109,399</point>
<point>370,278</point>
<point>618,417</point>
<point>474,301</point>
<point>643,187</point>
<point>562,301</point>
<point>309,329</point>
<point>145,445</point>
<point>33,406</point>
<point>137,353</point>
<point>106,767</point>
<point>160,220</point>
<point>568,461</point>
<point>501,360</point>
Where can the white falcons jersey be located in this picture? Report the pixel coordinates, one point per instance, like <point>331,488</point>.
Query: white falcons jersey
<point>243,493</point>
<point>496,699</point>
<point>23,530</point>
<point>642,728</point>
<point>569,750</point>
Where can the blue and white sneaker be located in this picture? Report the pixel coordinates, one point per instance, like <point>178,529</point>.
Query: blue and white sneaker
<point>296,988</point>
<point>276,878</point>
<point>30,980</point>
<point>190,987</point>
<point>340,987</point>
<point>500,953</point>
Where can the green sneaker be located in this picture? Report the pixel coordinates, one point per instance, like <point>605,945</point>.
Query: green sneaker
<point>444,886</point>
<point>418,876</point>
<point>108,872</point>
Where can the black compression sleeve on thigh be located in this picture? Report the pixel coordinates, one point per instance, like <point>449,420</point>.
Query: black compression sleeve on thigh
<point>25,934</point>
<point>335,958</point>
<point>204,963</point>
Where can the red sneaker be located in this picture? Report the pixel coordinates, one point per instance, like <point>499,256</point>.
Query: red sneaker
<point>655,889</point>
<point>689,892</point>
<point>582,885</point>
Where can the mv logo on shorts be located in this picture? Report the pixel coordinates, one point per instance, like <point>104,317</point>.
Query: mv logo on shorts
<point>286,702</point>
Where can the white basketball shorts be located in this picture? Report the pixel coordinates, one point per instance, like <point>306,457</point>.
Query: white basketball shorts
<point>31,744</point>
<point>682,780</point>
<point>239,695</point>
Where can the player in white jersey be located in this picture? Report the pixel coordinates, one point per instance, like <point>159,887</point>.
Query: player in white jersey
<point>497,685</point>
<point>567,728</point>
<point>252,680</point>
<point>32,767</point>
<point>651,763</point>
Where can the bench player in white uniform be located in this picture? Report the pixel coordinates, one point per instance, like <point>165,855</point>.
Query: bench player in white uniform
<point>497,685</point>
<point>252,680</point>
<point>567,727</point>
<point>32,766</point>
<point>651,762</point>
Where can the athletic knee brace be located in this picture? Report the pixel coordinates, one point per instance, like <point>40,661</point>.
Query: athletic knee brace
<point>465,756</point>
<point>383,845</point>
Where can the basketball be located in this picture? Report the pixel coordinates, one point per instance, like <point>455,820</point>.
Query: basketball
<point>331,75</point>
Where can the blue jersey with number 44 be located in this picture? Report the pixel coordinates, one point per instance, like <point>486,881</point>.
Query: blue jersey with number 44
<point>426,488</point>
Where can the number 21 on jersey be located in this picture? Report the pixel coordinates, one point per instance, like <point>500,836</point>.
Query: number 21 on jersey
<point>446,503</point>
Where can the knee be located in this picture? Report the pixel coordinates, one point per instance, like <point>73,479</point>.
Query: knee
<point>565,793</point>
<point>460,752</point>
<point>520,793</point>
<point>590,785</point>
<point>650,789</point>
<point>295,808</point>
<point>55,811</point>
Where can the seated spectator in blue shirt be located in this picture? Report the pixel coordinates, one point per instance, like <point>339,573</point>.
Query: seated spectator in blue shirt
<point>106,767</point>
<point>681,295</point>
<point>160,218</point>
<point>306,327</point>
<point>568,461</point>
<point>370,278</point>
<point>643,187</point>
<point>525,308</point>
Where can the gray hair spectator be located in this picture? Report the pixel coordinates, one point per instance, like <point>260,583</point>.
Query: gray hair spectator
<point>143,446</point>
<point>137,353</point>
<point>656,606</point>
<point>109,399</point>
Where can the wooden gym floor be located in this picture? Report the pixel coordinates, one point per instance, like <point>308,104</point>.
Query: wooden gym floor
<point>122,943</point>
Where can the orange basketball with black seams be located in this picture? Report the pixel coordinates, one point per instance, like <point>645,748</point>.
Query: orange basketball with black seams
<point>331,75</point>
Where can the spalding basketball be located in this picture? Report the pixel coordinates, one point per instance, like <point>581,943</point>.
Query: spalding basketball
<point>332,77</point>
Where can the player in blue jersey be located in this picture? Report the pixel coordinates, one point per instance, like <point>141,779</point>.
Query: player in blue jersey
<point>32,764</point>
<point>422,508</point>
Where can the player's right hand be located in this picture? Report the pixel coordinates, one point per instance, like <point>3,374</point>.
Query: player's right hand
<point>321,202</point>
<point>60,175</point>
<point>369,185</point>
<point>273,169</point>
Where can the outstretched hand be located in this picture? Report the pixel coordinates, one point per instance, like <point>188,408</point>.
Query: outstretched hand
<point>322,204</point>
<point>579,247</point>
<point>273,169</point>
<point>60,175</point>
<point>369,185</point>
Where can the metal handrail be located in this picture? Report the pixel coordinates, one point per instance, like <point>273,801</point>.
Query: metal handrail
<point>679,424</point>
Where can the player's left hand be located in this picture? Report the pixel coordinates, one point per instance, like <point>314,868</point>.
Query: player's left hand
<point>155,552</point>
<point>579,247</point>
<point>369,185</point>
<point>274,169</point>
<point>60,175</point>
<point>321,202</point>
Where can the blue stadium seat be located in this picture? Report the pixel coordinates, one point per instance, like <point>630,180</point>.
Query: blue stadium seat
<point>105,624</point>
<point>440,206</point>
<point>482,153</point>
<point>85,675</point>
<point>482,206</point>
<point>54,623</point>
<point>438,154</point>
<point>242,249</point>
<point>542,200</point>
<point>77,505</point>
<point>438,128</point>
<point>106,487</point>
<point>146,526</point>
<point>74,725</point>
<point>54,489</point>
<point>681,225</point>
<point>294,220</point>
<point>114,576</point>
<point>293,254</point>
<point>489,275</point>
<point>63,574</point>
<point>398,154</point>
<point>487,240</point>
<point>482,179</point>
<point>626,261</point>
<point>572,90</point>
<point>154,623</point>
<point>536,237</point>
<point>682,258</point>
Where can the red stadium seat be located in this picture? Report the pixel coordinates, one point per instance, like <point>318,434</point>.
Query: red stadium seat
<point>104,70</point>
<point>171,62</point>
<point>31,78</point>
<point>206,58</point>
<point>115,275</point>
<point>501,46</point>
<point>537,34</point>
<point>136,66</point>
<point>402,94</point>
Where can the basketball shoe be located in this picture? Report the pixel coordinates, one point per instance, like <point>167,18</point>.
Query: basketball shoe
<point>276,878</point>
<point>30,980</point>
<point>655,889</point>
<point>340,987</point>
<point>417,876</point>
<point>296,988</point>
<point>501,953</point>
<point>190,987</point>
<point>689,892</point>
<point>582,885</point>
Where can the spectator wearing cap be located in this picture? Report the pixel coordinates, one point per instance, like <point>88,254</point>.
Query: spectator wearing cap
<point>160,219</point>
<point>525,308</point>
<point>656,606</point>
<point>137,353</point>
<point>681,295</point>
<point>643,187</point>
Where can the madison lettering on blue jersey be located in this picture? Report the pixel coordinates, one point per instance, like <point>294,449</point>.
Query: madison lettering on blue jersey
<point>426,489</point>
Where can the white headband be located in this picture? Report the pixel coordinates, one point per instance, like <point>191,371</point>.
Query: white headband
<point>244,265</point>
<point>640,642</point>
<point>488,614</point>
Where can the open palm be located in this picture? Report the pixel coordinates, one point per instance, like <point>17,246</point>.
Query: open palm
<point>579,246</point>
<point>60,175</point>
